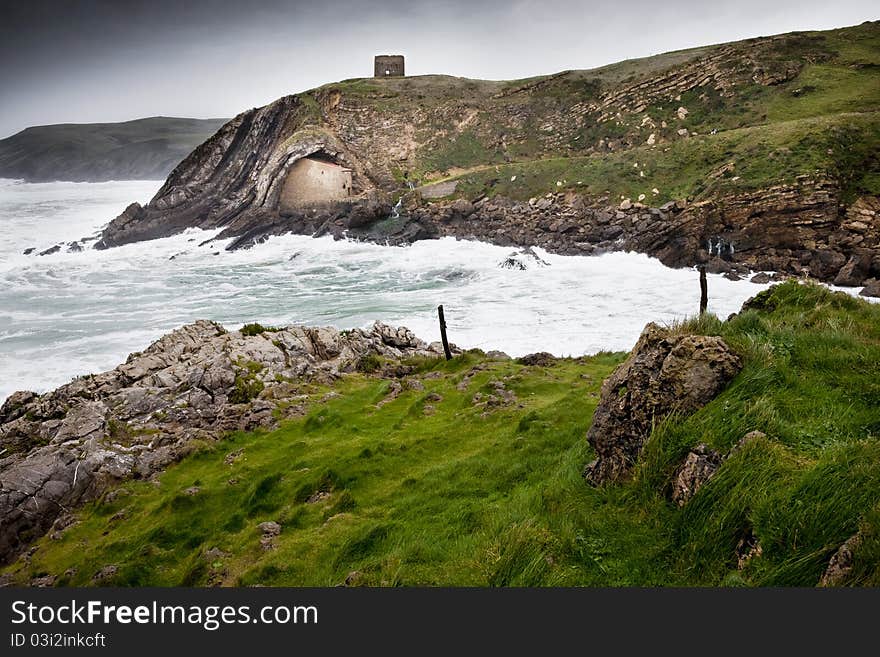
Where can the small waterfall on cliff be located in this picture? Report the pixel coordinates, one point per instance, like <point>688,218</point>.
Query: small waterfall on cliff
<point>720,247</point>
<point>395,211</point>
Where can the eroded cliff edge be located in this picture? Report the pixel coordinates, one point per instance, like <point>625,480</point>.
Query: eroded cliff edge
<point>730,155</point>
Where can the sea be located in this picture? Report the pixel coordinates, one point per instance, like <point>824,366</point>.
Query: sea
<point>74,312</point>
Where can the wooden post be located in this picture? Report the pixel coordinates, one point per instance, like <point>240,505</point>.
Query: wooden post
<point>704,290</point>
<point>443,333</point>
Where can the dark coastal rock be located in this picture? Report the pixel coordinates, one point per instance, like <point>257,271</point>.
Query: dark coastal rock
<point>71,445</point>
<point>872,288</point>
<point>767,233</point>
<point>233,180</point>
<point>852,273</point>
<point>841,562</point>
<point>512,263</point>
<point>539,359</point>
<point>664,372</point>
<point>525,258</point>
<point>15,405</point>
<point>700,464</point>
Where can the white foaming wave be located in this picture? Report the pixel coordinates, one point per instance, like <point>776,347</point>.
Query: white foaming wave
<point>34,213</point>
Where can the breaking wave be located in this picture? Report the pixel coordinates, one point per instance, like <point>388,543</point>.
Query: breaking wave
<point>73,313</point>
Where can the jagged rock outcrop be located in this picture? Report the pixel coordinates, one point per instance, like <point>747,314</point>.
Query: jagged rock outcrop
<point>841,564</point>
<point>794,229</point>
<point>699,466</point>
<point>62,448</point>
<point>234,179</point>
<point>664,373</point>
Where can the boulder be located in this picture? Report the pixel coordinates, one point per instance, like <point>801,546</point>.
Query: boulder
<point>872,288</point>
<point>841,563</point>
<point>699,465</point>
<point>14,406</point>
<point>364,214</point>
<point>664,372</point>
<point>462,208</point>
<point>269,528</point>
<point>851,274</point>
<point>539,359</point>
<point>826,264</point>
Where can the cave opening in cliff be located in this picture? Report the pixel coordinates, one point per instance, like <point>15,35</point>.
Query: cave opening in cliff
<point>315,179</point>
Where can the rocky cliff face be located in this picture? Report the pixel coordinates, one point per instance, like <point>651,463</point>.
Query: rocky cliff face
<point>65,447</point>
<point>665,373</point>
<point>797,229</point>
<point>808,207</point>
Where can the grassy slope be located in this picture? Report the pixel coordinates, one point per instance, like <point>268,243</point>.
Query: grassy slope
<point>824,120</point>
<point>761,156</point>
<point>454,497</point>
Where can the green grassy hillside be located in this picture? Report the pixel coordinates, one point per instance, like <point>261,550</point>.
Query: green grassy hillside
<point>474,478</point>
<point>822,121</point>
<point>767,110</point>
<point>843,147</point>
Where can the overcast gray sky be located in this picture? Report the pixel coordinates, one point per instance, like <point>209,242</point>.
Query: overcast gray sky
<point>106,60</point>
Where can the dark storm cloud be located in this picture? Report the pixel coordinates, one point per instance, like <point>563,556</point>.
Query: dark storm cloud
<point>101,60</point>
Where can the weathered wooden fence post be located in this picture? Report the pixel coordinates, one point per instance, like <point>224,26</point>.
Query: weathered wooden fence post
<point>443,332</point>
<point>704,290</point>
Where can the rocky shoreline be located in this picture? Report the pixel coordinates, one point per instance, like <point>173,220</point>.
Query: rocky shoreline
<point>798,230</point>
<point>192,386</point>
<point>426,157</point>
<point>801,229</point>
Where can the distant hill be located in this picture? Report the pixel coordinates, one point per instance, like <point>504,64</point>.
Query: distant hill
<point>144,149</point>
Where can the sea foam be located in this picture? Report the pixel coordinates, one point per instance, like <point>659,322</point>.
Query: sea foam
<point>74,313</point>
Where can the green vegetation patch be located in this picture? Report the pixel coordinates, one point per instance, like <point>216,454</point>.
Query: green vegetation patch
<point>249,330</point>
<point>441,487</point>
<point>460,151</point>
<point>247,385</point>
<point>843,147</point>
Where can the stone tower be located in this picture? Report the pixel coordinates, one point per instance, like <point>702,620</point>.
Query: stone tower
<point>388,66</point>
